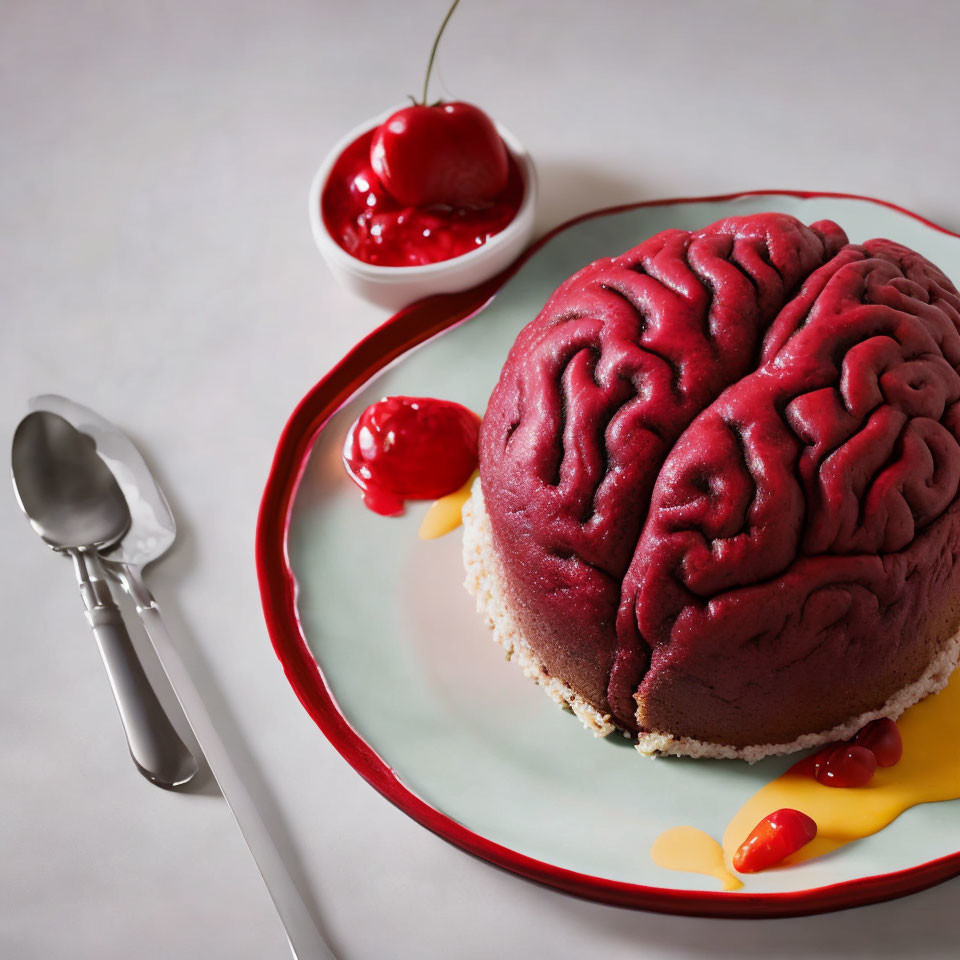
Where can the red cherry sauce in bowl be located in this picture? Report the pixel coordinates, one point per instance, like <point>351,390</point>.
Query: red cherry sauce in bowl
<point>370,225</point>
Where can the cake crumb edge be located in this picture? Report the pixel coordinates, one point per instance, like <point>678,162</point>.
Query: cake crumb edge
<point>933,680</point>
<point>483,584</point>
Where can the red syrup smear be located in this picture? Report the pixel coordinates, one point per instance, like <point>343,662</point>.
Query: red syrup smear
<point>410,448</point>
<point>368,223</point>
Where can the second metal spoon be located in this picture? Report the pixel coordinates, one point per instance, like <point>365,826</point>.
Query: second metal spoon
<point>73,501</point>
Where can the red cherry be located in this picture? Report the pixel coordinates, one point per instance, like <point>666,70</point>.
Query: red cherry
<point>882,738</point>
<point>844,765</point>
<point>773,839</point>
<point>446,154</point>
<point>410,448</point>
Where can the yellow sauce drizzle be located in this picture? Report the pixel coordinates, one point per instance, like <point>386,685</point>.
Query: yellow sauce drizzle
<point>928,772</point>
<point>445,514</point>
<point>693,851</point>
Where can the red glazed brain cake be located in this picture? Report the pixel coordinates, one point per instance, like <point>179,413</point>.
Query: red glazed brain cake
<point>717,504</point>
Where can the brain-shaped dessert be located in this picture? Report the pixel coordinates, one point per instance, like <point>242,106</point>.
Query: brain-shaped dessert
<point>718,487</point>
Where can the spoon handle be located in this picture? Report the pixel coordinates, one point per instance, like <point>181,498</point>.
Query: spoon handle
<point>303,932</point>
<point>157,750</point>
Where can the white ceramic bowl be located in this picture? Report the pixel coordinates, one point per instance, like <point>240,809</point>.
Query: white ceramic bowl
<point>395,287</point>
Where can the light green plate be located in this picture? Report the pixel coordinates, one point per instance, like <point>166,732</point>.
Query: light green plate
<point>416,674</point>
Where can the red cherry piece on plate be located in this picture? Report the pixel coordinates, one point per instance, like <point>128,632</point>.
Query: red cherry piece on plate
<point>410,448</point>
<point>447,154</point>
<point>844,765</point>
<point>882,738</point>
<point>773,839</point>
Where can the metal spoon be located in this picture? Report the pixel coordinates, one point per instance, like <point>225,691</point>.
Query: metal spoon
<point>72,500</point>
<point>152,531</point>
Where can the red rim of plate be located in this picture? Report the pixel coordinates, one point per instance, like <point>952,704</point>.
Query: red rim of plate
<point>410,327</point>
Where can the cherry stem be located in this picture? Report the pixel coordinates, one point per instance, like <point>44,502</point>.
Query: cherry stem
<point>433,51</point>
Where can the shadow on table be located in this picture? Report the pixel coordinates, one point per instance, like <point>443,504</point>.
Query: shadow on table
<point>921,925</point>
<point>568,190</point>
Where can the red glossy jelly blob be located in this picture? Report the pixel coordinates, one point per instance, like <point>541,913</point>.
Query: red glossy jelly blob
<point>844,765</point>
<point>364,219</point>
<point>882,738</point>
<point>410,448</point>
<point>773,839</point>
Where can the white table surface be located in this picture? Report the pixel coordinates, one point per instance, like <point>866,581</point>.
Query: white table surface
<point>156,264</point>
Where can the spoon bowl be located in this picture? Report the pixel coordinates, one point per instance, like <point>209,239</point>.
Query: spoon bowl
<point>67,492</point>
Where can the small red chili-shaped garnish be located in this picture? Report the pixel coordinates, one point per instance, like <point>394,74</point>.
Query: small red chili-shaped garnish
<point>844,765</point>
<point>882,738</point>
<point>773,839</point>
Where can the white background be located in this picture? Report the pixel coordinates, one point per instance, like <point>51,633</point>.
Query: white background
<point>156,264</point>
